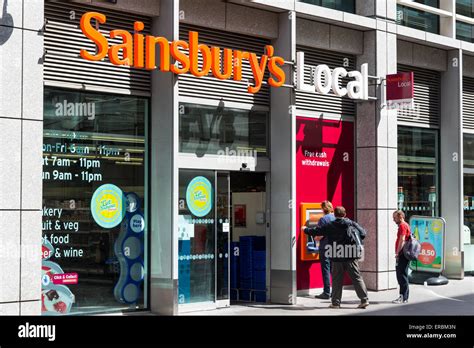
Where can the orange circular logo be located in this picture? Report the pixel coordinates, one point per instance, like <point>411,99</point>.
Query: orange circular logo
<point>427,254</point>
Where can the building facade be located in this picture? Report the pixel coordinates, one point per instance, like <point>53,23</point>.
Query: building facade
<point>136,183</point>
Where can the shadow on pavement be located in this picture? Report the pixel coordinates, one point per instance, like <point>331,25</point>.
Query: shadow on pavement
<point>461,305</point>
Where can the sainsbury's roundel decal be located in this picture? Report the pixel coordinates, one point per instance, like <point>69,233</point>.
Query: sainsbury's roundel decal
<point>199,196</point>
<point>107,206</point>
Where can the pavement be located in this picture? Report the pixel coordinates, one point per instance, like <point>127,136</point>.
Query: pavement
<point>454,298</point>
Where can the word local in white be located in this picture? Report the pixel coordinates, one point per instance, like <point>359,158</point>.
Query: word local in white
<point>37,331</point>
<point>323,80</point>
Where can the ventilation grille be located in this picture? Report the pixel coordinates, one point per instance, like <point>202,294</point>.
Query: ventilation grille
<point>63,40</point>
<point>208,87</point>
<point>427,98</point>
<point>325,103</point>
<point>468,103</point>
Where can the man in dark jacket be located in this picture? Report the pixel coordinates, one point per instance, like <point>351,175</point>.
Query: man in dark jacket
<point>328,217</point>
<point>344,249</point>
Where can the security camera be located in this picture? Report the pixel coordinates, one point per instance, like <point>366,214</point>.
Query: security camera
<point>244,167</point>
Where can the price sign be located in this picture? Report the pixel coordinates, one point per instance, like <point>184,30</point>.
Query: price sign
<point>430,231</point>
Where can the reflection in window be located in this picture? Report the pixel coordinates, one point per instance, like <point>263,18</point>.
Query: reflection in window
<point>218,130</point>
<point>468,141</point>
<point>465,8</point>
<point>464,31</point>
<point>341,5</point>
<point>418,192</point>
<point>417,19</point>
<point>94,201</point>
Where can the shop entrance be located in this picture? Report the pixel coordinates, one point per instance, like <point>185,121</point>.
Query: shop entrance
<point>217,210</point>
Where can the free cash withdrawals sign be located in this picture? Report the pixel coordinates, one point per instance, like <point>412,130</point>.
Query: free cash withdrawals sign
<point>400,90</point>
<point>430,232</point>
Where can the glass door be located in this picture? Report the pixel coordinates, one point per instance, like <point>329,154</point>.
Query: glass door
<point>203,239</point>
<point>223,238</point>
<point>196,238</point>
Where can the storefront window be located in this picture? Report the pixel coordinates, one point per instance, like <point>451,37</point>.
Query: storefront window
<point>468,141</point>
<point>218,130</point>
<point>94,202</point>
<point>418,163</point>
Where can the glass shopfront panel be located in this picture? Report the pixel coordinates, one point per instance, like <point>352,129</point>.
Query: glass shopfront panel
<point>216,130</point>
<point>94,202</point>
<point>196,237</point>
<point>418,163</point>
<point>222,235</point>
<point>469,183</point>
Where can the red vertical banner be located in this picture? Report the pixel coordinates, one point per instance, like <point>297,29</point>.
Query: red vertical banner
<point>324,170</point>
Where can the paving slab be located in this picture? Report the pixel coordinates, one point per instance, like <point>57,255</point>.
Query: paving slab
<point>455,298</point>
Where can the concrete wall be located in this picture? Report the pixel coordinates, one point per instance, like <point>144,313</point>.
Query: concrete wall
<point>416,55</point>
<point>21,134</point>
<point>329,37</point>
<point>230,17</point>
<point>143,7</point>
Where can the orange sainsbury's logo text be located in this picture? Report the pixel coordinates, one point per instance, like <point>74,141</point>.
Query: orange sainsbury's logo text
<point>139,51</point>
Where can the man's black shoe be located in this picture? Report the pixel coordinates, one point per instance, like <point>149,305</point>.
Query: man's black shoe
<point>323,296</point>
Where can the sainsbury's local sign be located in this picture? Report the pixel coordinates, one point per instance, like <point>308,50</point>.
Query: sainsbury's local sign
<point>139,51</point>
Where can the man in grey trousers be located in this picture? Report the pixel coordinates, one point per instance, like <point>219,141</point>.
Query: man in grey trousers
<point>344,248</point>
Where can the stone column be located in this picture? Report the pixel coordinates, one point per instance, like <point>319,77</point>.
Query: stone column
<point>164,173</point>
<point>21,139</point>
<point>383,9</point>
<point>283,234</point>
<point>376,151</point>
<point>448,24</point>
<point>451,168</point>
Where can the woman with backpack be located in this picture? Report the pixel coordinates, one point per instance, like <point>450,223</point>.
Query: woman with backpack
<point>402,262</point>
